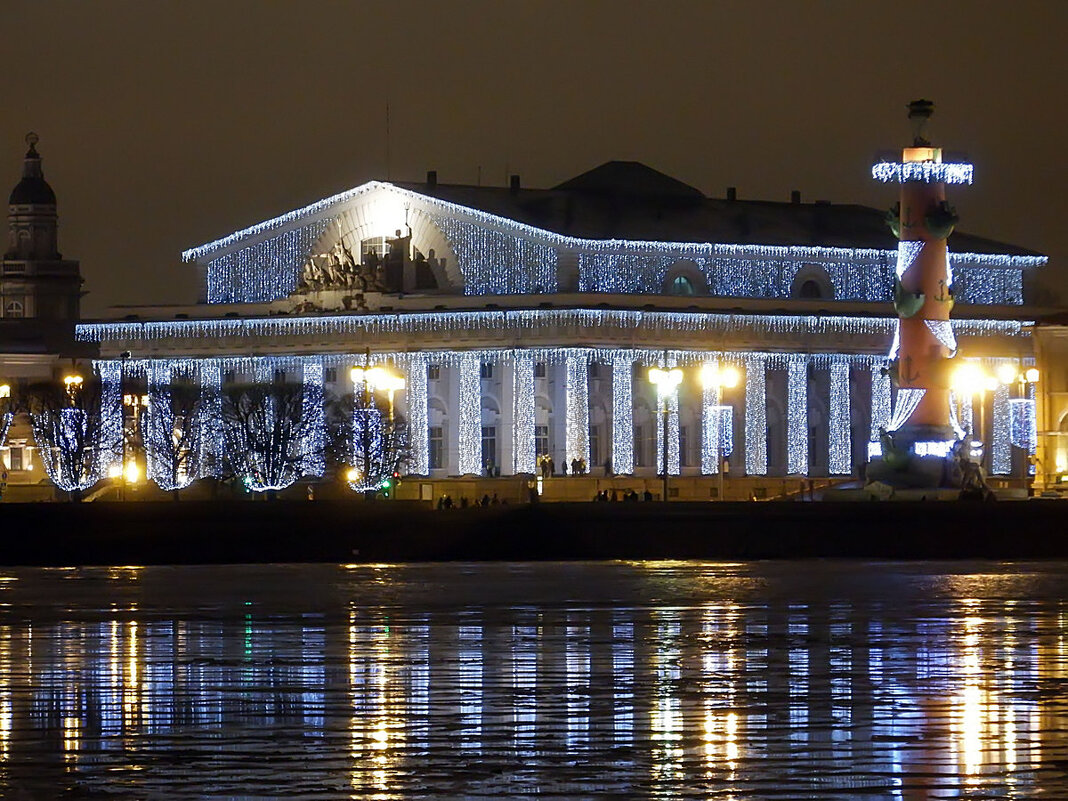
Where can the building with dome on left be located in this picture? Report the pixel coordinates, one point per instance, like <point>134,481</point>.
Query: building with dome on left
<point>520,329</point>
<point>40,295</point>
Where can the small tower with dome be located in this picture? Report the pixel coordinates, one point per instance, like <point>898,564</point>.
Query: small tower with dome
<point>36,282</point>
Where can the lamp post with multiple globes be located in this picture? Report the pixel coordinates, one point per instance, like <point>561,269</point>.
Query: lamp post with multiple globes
<point>712,378</point>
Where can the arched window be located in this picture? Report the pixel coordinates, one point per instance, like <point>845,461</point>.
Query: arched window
<point>681,286</point>
<point>14,308</point>
<point>811,289</point>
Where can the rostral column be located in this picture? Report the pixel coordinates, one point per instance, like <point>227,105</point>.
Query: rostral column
<point>922,434</point>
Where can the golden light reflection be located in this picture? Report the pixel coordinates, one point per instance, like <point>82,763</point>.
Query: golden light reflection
<point>5,692</point>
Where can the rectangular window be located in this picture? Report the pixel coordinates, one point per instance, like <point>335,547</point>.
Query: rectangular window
<point>541,440</point>
<point>16,458</point>
<point>595,446</point>
<point>639,447</point>
<point>331,375</point>
<point>279,376</point>
<point>539,369</point>
<point>489,447</point>
<point>595,370</point>
<point>486,370</point>
<point>433,372</point>
<point>684,446</point>
<point>437,448</point>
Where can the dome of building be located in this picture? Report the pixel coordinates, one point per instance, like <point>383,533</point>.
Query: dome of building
<point>33,189</point>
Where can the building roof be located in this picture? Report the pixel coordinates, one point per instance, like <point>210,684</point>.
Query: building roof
<point>628,200</point>
<point>33,189</point>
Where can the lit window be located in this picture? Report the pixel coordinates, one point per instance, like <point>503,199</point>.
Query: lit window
<point>681,286</point>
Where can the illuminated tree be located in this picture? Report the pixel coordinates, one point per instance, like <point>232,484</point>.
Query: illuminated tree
<point>175,431</point>
<point>370,447</point>
<point>271,434</point>
<point>75,438</point>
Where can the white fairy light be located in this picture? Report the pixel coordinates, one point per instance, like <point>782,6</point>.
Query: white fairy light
<point>756,416</point>
<point>112,424</point>
<point>943,332</point>
<point>880,399</point>
<point>416,395</point>
<point>577,409</point>
<point>1000,446</point>
<point>524,322</point>
<point>469,434</point>
<point>839,435</point>
<point>523,393</point>
<point>907,251</point>
<point>315,451</point>
<point>907,400</point>
<point>797,416</point>
<point>211,440</point>
<point>939,448</point>
<point>497,255</point>
<point>928,172</point>
<point>711,421</point>
<point>622,412</point>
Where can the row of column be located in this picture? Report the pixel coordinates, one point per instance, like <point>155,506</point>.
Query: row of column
<point>465,408</point>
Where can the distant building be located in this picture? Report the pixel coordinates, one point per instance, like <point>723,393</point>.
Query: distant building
<point>40,294</point>
<point>525,321</point>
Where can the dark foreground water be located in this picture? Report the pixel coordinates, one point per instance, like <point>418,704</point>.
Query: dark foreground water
<point>663,680</point>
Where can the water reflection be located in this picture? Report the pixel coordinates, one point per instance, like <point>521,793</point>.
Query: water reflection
<point>575,680</point>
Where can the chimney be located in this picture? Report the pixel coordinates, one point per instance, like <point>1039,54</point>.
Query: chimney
<point>513,183</point>
<point>431,177</point>
<point>795,197</point>
<point>732,193</point>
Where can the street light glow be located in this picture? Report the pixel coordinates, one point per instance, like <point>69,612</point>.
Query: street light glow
<point>1006,373</point>
<point>665,380</point>
<point>713,377</point>
<point>5,390</point>
<point>1031,375</point>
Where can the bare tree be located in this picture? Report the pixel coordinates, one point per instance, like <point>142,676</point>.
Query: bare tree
<point>7,414</point>
<point>365,440</point>
<point>270,434</point>
<point>75,441</point>
<point>174,429</point>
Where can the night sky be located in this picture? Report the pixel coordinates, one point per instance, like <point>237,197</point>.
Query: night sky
<point>166,125</point>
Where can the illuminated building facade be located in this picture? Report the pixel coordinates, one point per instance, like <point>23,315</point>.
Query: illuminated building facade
<point>525,322</point>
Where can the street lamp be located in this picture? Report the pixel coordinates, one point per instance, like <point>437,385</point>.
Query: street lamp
<point>72,383</point>
<point>1023,379</point>
<point>666,382</point>
<point>379,378</point>
<point>971,380</point>
<point>715,379</point>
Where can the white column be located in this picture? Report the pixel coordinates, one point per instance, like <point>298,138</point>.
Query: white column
<point>672,402</point>
<point>1001,449</point>
<point>211,434</point>
<point>415,396</point>
<point>314,463</point>
<point>577,435</point>
<point>756,416</point>
<point>839,438</point>
<point>469,417</point>
<point>797,417</point>
<point>880,400</point>
<point>711,419</point>
<point>523,456</point>
<point>112,425</point>
<point>157,423</point>
<point>622,413</point>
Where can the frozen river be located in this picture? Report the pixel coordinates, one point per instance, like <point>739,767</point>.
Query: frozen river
<point>808,679</point>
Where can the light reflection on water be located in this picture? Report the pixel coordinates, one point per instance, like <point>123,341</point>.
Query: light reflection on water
<point>665,680</point>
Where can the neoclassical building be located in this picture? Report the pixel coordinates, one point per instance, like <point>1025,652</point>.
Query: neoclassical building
<point>525,321</point>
